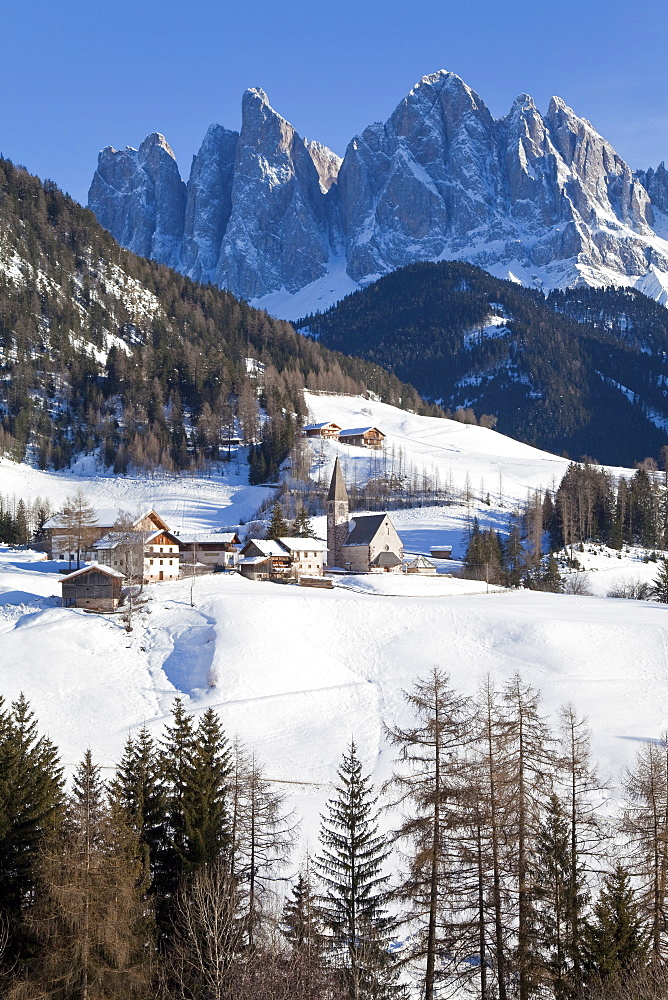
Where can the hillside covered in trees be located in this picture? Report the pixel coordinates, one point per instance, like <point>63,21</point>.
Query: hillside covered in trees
<point>583,371</point>
<point>102,349</point>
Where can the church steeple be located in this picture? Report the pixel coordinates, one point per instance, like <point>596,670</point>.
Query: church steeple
<point>337,487</point>
<point>338,509</point>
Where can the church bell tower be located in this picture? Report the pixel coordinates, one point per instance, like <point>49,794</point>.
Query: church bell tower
<point>338,509</point>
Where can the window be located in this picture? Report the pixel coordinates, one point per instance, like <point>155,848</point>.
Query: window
<point>161,562</point>
<point>161,551</point>
<point>170,562</point>
<point>151,561</point>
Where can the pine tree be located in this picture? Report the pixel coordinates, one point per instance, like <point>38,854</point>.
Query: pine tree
<point>616,939</point>
<point>660,589</point>
<point>278,526</point>
<point>207,809</point>
<point>302,925</point>
<point>350,867</point>
<point>552,882</point>
<point>31,806</point>
<point>302,527</point>
<point>138,789</point>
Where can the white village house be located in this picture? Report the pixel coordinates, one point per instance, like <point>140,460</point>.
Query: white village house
<point>60,542</point>
<point>156,553</point>
<point>289,557</point>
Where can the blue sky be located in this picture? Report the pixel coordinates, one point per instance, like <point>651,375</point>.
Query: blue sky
<point>77,75</point>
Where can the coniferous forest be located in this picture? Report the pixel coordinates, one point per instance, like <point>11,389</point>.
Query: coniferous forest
<point>497,871</point>
<point>100,349</point>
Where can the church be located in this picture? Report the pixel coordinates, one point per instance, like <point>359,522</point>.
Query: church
<point>361,544</point>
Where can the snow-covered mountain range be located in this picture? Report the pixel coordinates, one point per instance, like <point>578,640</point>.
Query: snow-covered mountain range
<point>285,222</point>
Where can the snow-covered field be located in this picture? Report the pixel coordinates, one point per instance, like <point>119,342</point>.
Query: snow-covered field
<point>296,672</point>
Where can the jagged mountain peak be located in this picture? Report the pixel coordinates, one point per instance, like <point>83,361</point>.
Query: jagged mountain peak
<point>156,140</point>
<point>543,199</point>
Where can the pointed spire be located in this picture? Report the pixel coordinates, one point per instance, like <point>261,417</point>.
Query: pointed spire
<point>337,487</point>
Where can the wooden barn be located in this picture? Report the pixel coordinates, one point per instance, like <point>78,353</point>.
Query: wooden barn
<point>95,587</point>
<point>362,437</point>
<point>441,551</point>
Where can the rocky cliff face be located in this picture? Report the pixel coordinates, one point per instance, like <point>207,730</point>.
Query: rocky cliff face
<point>542,199</point>
<point>138,195</point>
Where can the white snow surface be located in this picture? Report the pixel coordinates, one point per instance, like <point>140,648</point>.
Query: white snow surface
<point>296,672</point>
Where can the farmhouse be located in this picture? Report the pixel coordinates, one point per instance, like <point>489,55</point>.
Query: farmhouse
<point>62,539</point>
<point>95,587</point>
<point>361,544</point>
<point>216,549</point>
<point>286,558</point>
<point>327,430</point>
<point>153,554</point>
<point>362,437</point>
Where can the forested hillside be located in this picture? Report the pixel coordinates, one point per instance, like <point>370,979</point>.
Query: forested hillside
<point>583,372</point>
<point>102,349</point>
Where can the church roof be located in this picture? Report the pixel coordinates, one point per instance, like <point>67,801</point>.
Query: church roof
<point>364,528</point>
<point>386,560</point>
<point>337,487</point>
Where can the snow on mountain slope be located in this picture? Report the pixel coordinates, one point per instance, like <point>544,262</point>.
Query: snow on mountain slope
<point>294,673</point>
<point>456,450</point>
<point>186,502</point>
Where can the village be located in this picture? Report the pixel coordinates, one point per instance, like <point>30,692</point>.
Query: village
<point>118,554</point>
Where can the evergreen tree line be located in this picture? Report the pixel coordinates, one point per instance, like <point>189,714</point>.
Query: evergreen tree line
<point>21,521</point>
<point>591,505</point>
<point>161,881</point>
<point>104,351</point>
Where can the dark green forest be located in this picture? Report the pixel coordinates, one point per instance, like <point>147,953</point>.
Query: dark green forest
<point>102,349</point>
<point>550,369</point>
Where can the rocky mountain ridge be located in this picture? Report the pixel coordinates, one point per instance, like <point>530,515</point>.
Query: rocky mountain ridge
<point>283,221</point>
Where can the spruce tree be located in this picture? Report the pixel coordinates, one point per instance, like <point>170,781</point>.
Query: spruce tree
<point>616,939</point>
<point>31,807</point>
<point>355,898</point>
<point>552,882</point>
<point>302,527</point>
<point>207,806</point>
<point>302,925</point>
<point>138,789</point>
<point>278,526</point>
<point>660,588</point>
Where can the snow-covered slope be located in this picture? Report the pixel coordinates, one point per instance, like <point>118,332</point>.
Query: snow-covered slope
<point>295,672</point>
<point>540,199</point>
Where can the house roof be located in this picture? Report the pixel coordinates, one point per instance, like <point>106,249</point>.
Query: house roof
<point>251,560</point>
<point>357,431</point>
<point>267,546</point>
<point>304,544</point>
<point>386,559</point>
<point>209,538</point>
<point>115,538</point>
<point>106,517</point>
<point>421,562</point>
<point>364,528</point>
<point>98,568</point>
<point>337,487</point>
<point>318,427</point>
